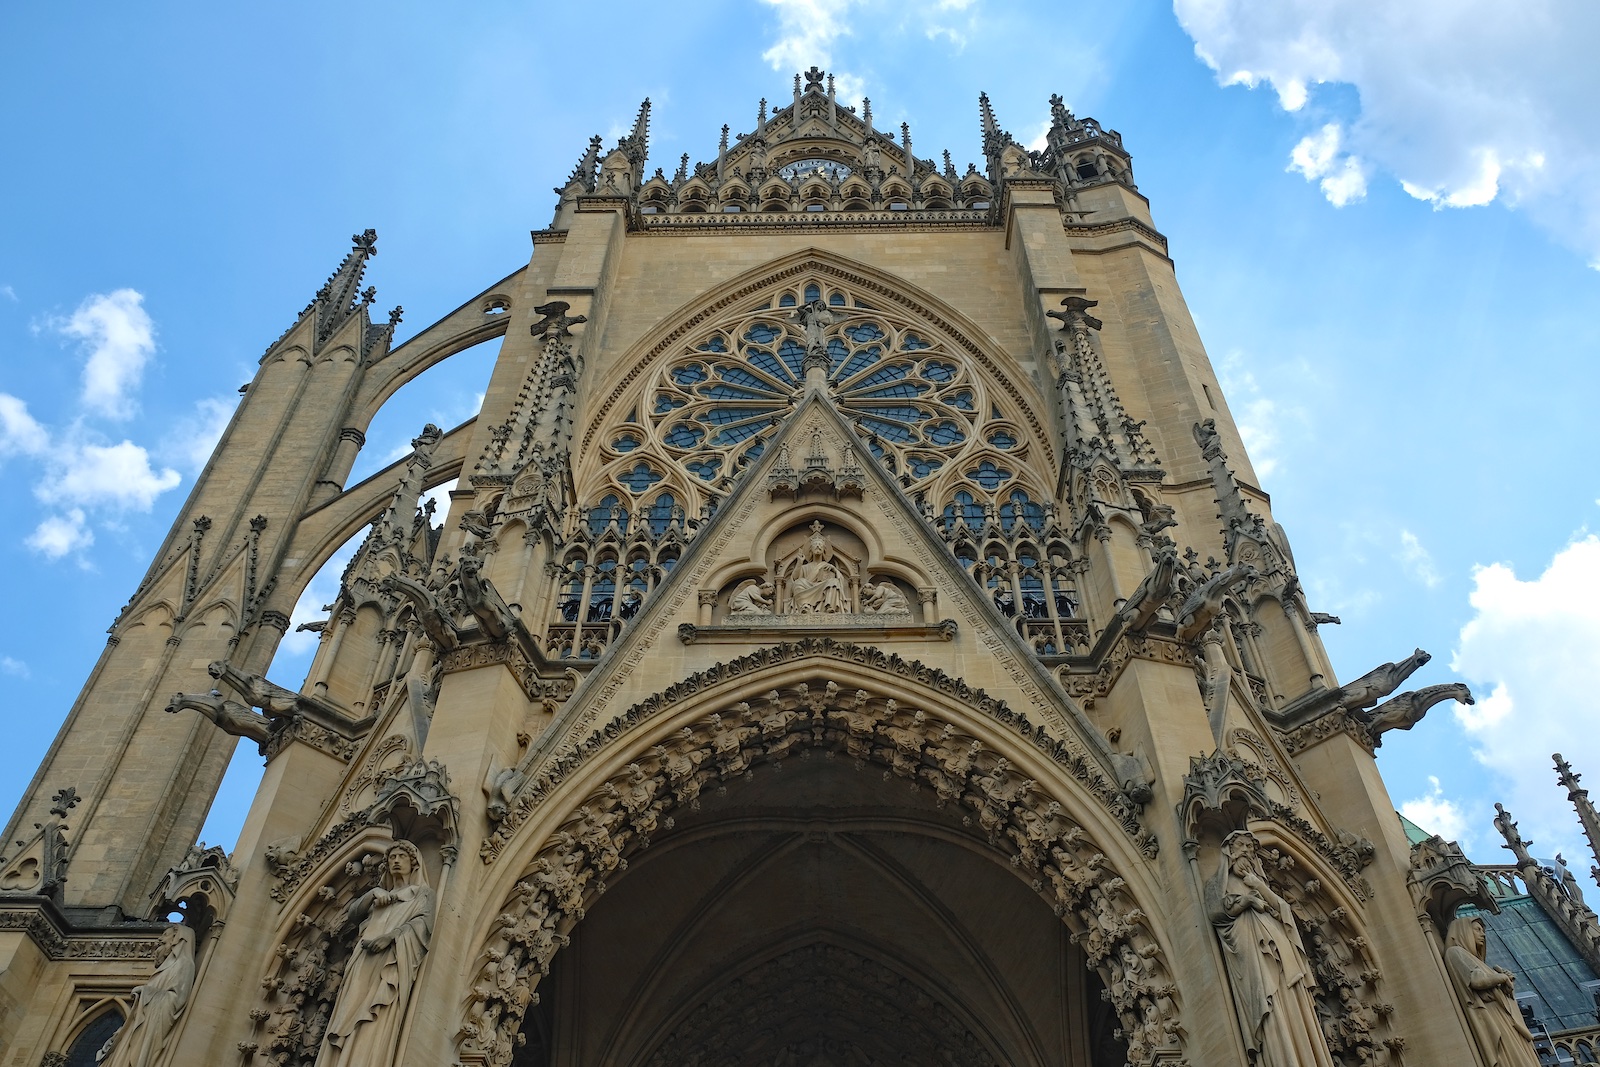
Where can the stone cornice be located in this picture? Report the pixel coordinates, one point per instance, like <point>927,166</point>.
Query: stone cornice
<point>47,928</point>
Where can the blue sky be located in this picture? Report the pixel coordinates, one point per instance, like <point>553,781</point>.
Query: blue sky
<point>1383,221</point>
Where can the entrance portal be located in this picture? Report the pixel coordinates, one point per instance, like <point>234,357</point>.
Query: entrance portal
<point>818,912</point>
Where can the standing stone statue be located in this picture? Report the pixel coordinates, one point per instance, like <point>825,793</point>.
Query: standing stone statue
<point>1267,964</point>
<point>157,1003</point>
<point>1486,996</point>
<point>396,922</point>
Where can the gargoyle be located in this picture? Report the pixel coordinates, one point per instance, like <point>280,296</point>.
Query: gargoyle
<point>230,716</point>
<point>556,321</point>
<point>1204,603</point>
<point>1153,594</point>
<point>494,616</point>
<point>1378,683</point>
<point>436,622</point>
<point>1406,710</point>
<point>274,700</point>
<point>501,785</point>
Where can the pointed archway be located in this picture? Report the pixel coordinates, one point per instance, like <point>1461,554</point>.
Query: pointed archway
<point>809,819</point>
<point>820,909</point>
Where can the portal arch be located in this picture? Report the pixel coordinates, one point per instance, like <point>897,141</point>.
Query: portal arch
<point>1036,807</point>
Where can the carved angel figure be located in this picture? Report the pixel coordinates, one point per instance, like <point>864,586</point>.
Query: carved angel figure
<point>396,922</point>
<point>752,597</point>
<point>157,1003</point>
<point>1486,995</point>
<point>884,598</point>
<point>1267,964</point>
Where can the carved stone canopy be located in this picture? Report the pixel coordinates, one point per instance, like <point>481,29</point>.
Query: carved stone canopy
<point>1441,880</point>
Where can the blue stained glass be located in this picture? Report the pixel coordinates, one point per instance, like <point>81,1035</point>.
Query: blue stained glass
<point>706,469</point>
<point>945,433</point>
<point>625,443</point>
<point>787,300</point>
<point>893,373</point>
<point>762,334</point>
<point>865,306</point>
<point>988,475</point>
<point>734,434</point>
<point>721,391</point>
<point>964,506</point>
<point>740,376</point>
<point>898,391</point>
<point>836,353</point>
<point>640,478</point>
<point>922,466</point>
<point>858,363</point>
<point>912,343</point>
<point>753,452</point>
<point>961,401</point>
<point>813,293</point>
<point>892,430</point>
<point>660,513</point>
<point>1001,439</point>
<point>766,361</point>
<point>684,436</point>
<point>891,411</point>
<point>716,344</point>
<point>794,356</point>
<point>875,447</point>
<point>935,371</point>
<point>723,416</point>
<point>836,299</point>
<point>690,374</point>
<point>665,403</point>
<point>863,333</point>
<point>599,515</point>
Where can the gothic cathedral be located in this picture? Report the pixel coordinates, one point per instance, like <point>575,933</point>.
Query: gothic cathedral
<point>855,637</point>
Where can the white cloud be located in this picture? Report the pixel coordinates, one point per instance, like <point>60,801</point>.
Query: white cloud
<point>117,476</point>
<point>1437,814</point>
<point>1417,560</point>
<point>121,339</point>
<point>1256,415</point>
<point>60,534</point>
<point>195,436</point>
<point>807,31</point>
<point>1317,156</point>
<point>14,667</point>
<point>9,293</point>
<point>1530,644</point>
<point>1464,102</point>
<point>20,432</point>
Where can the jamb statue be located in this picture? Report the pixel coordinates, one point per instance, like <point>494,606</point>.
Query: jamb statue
<point>396,923</point>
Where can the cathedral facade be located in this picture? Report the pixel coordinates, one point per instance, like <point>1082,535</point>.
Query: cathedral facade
<point>855,636</point>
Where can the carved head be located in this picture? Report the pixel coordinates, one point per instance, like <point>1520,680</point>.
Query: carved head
<point>1466,931</point>
<point>403,865</point>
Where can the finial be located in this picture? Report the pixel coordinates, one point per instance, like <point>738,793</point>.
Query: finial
<point>761,116</point>
<point>366,241</point>
<point>814,78</point>
<point>683,170</point>
<point>949,167</point>
<point>797,85</point>
<point>830,84</point>
<point>67,799</point>
<point>368,295</point>
<point>722,146</point>
<point>396,315</point>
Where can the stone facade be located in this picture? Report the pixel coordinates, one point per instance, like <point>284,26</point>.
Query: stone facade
<point>856,636</point>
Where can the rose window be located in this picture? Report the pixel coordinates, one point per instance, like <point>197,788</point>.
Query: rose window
<point>711,411</point>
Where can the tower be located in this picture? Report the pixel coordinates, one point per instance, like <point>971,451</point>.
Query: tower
<point>855,634</point>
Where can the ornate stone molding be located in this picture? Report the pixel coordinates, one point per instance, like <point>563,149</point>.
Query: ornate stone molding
<point>839,627</point>
<point>1319,730</point>
<point>1064,752</point>
<point>539,689</point>
<point>34,917</point>
<point>1088,684</point>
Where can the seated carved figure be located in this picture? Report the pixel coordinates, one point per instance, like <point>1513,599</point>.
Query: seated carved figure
<point>815,584</point>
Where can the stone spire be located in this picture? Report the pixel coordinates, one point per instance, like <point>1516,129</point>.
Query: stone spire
<point>1094,417</point>
<point>637,144</point>
<point>994,138</point>
<point>1586,811</point>
<point>341,297</point>
<point>584,172</point>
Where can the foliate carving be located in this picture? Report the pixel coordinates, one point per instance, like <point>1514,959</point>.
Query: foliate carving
<point>1441,879</point>
<point>1319,730</point>
<point>1088,685</point>
<point>413,796</point>
<point>1013,811</point>
<point>549,693</point>
<point>1064,751</point>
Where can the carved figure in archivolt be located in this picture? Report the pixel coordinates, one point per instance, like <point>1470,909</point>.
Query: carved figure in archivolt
<point>1486,996</point>
<point>1273,982</point>
<point>813,580</point>
<point>396,922</point>
<point>157,1003</point>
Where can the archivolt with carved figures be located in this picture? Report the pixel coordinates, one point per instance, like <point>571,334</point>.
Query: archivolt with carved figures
<point>1025,807</point>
